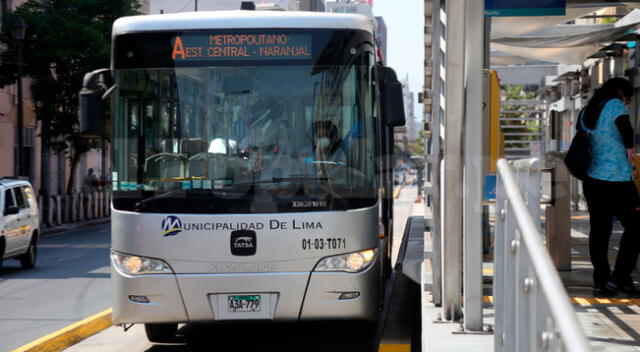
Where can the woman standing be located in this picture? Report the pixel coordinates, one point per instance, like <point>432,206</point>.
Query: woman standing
<point>609,188</point>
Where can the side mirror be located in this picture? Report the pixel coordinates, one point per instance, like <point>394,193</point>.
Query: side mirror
<point>90,112</point>
<point>392,100</point>
<point>12,209</point>
<point>91,101</point>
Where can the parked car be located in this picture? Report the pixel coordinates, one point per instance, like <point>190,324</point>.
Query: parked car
<point>19,220</point>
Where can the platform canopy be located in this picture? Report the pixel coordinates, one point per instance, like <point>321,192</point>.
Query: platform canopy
<point>551,41</point>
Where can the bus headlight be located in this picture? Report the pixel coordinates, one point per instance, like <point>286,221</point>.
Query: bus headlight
<point>136,265</point>
<point>350,262</point>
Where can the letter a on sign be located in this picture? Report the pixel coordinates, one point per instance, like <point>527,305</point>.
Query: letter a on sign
<point>178,49</point>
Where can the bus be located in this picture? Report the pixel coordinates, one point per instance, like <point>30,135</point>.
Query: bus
<point>251,171</point>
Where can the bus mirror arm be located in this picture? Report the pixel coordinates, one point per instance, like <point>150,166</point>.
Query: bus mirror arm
<point>91,101</point>
<point>392,100</point>
<point>109,91</point>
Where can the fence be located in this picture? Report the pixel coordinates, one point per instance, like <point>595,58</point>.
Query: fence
<point>533,311</point>
<point>75,207</point>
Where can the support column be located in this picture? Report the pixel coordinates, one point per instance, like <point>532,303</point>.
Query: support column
<point>454,112</point>
<point>473,164</point>
<point>436,149</point>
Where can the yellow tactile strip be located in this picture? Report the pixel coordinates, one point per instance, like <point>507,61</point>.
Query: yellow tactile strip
<point>592,301</point>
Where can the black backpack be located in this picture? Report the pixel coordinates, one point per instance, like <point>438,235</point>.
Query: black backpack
<point>578,156</point>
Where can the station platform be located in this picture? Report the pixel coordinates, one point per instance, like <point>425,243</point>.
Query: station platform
<point>610,324</point>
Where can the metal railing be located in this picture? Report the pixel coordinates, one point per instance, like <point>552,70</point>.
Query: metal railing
<point>69,208</point>
<point>533,311</point>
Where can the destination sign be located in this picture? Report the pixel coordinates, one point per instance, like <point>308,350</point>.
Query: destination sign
<point>239,46</point>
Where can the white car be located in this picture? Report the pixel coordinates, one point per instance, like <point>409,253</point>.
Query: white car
<point>19,222</point>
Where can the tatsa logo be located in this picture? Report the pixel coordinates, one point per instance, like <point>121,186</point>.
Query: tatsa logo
<point>171,226</point>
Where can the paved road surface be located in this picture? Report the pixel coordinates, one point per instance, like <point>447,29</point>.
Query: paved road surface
<point>69,283</point>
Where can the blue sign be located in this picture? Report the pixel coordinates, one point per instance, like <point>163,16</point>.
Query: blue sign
<point>490,187</point>
<point>509,8</point>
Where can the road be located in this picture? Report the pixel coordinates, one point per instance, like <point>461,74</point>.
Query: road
<point>69,283</point>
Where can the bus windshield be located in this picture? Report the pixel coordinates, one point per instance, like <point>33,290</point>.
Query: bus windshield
<point>208,138</point>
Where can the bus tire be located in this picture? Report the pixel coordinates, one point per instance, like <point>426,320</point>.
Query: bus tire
<point>161,333</point>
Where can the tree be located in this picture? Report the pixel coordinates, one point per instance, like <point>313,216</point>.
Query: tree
<point>417,146</point>
<point>65,40</point>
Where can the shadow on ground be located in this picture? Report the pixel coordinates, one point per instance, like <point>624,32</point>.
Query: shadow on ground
<point>345,336</point>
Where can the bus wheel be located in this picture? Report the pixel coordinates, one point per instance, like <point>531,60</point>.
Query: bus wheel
<point>161,333</point>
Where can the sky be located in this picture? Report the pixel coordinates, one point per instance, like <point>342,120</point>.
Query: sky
<point>405,34</point>
<point>405,40</point>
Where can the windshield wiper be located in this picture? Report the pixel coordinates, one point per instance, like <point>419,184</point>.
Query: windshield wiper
<point>298,178</point>
<point>316,180</point>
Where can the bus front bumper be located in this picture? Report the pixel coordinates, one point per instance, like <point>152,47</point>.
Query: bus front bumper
<point>285,296</point>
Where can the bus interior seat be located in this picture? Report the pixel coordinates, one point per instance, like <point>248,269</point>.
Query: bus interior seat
<point>217,165</point>
<point>165,165</point>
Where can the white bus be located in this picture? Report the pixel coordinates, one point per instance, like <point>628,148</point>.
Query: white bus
<point>251,167</point>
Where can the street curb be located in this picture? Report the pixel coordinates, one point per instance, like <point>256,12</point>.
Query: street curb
<point>70,335</point>
<point>74,226</point>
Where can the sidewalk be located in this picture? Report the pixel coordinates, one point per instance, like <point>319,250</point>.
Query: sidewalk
<point>45,231</point>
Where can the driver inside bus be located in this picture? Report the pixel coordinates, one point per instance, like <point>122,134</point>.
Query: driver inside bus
<point>327,145</point>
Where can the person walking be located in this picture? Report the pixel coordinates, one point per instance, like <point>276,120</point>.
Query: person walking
<point>90,182</point>
<point>609,188</point>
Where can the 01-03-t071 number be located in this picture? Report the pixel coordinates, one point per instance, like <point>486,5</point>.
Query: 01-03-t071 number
<point>324,243</point>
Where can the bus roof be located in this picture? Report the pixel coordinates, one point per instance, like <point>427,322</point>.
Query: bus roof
<point>240,19</point>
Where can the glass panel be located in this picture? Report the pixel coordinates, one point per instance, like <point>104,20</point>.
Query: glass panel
<point>254,134</point>
<point>21,200</point>
<point>253,129</point>
<point>8,199</point>
<point>29,196</point>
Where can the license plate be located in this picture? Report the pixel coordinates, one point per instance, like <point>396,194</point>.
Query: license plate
<point>246,303</point>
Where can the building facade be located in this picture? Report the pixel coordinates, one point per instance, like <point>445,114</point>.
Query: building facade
<point>59,167</point>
